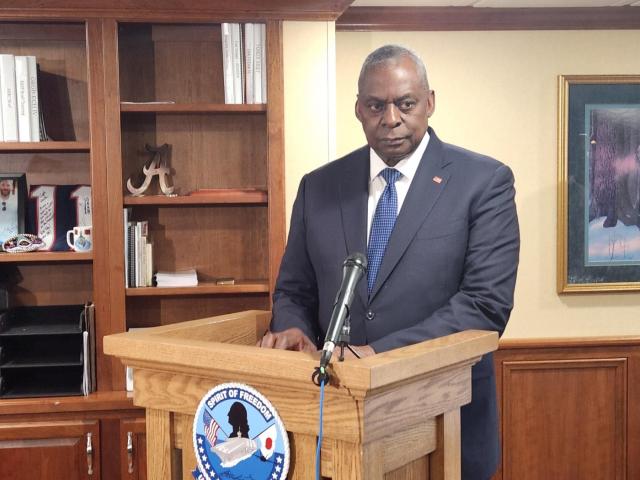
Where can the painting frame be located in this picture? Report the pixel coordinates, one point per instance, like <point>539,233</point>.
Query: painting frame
<point>14,204</point>
<point>598,247</point>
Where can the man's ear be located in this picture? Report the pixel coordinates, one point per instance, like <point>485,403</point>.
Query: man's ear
<point>431,103</point>
<point>357,110</point>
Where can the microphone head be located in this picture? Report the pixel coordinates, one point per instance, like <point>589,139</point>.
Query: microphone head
<point>356,259</point>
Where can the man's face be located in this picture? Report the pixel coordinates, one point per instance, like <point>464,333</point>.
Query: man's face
<point>394,107</point>
<point>5,188</point>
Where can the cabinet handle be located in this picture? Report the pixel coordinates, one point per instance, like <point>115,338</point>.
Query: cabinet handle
<point>89,454</point>
<point>130,451</point>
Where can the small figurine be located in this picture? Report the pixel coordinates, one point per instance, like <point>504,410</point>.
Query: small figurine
<point>157,166</point>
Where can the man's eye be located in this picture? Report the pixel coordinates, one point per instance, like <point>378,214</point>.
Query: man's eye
<point>407,105</point>
<point>375,107</point>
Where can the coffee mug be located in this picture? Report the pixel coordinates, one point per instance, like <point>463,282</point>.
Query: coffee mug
<point>80,239</point>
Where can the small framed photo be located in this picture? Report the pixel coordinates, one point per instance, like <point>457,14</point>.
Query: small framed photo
<point>599,183</point>
<point>13,199</point>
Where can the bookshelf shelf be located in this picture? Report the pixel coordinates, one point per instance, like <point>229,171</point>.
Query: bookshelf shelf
<point>204,288</point>
<point>45,257</point>
<point>190,108</point>
<point>50,146</point>
<point>211,197</point>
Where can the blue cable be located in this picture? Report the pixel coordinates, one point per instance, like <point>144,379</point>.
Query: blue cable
<point>320,428</point>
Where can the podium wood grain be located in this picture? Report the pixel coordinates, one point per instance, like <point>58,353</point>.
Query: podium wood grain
<point>391,416</point>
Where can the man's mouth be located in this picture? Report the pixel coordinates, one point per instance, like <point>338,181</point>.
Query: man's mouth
<point>393,141</point>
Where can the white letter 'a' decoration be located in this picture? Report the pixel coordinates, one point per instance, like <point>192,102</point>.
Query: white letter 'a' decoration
<point>157,166</point>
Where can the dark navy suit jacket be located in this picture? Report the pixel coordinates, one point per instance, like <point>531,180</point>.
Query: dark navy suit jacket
<point>450,265</point>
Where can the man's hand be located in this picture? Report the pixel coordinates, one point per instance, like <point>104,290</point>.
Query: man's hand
<point>290,339</point>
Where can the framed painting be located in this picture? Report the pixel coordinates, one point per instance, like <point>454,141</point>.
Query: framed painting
<point>599,183</point>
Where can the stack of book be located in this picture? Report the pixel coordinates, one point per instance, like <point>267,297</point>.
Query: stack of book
<point>138,253</point>
<point>244,62</point>
<point>181,278</point>
<point>20,119</point>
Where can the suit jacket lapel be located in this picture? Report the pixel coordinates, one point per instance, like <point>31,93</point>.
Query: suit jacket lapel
<point>421,197</point>
<point>354,194</point>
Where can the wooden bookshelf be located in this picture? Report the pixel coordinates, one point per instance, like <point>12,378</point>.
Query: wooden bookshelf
<point>91,65</point>
<point>51,146</point>
<point>203,288</point>
<point>190,108</point>
<point>211,197</point>
<point>46,257</point>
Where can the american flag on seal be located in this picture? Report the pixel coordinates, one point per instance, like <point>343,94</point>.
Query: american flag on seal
<point>211,428</point>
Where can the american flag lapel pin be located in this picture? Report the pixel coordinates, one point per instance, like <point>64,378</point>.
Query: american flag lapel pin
<point>437,179</point>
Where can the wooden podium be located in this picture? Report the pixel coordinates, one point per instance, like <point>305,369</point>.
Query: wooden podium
<point>395,415</point>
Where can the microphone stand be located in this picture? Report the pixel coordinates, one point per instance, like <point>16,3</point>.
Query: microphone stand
<point>343,341</point>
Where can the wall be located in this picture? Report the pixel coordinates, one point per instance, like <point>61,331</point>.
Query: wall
<point>496,93</point>
<point>309,100</point>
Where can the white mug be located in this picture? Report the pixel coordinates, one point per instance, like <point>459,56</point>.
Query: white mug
<point>80,238</point>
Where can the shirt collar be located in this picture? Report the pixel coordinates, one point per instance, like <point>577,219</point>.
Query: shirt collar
<point>406,166</point>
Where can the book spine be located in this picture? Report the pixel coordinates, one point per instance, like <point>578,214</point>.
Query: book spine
<point>125,214</point>
<point>263,61</point>
<point>136,249</point>
<point>34,108</point>
<point>149,264</point>
<point>8,94</point>
<point>131,236</point>
<point>248,61</point>
<point>227,67</point>
<point>236,40</point>
<point>22,97</point>
<point>257,63</point>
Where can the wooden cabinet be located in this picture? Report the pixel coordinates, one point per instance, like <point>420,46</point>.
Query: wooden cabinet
<point>103,68</point>
<point>50,450</point>
<point>133,438</point>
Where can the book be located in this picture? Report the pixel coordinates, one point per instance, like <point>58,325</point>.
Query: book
<point>227,67</point>
<point>237,64</point>
<point>257,63</point>
<point>249,45</point>
<point>23,98</point>
<point>8,97</point>
<point>34,105</point>
<point>181,278</point>
<point>263,61</point>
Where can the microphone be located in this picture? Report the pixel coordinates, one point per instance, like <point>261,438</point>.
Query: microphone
<point>353,269</point>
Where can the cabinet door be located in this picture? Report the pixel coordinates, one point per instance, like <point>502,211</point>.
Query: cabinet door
<point>50,450</point>
<point>133,439</point>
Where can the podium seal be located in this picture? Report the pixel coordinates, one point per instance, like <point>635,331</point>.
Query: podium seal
<point>238,434</point>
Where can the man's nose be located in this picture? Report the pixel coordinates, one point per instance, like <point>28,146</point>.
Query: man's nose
<point>391,116</point>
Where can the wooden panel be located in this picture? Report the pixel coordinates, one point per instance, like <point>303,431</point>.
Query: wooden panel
<point>45,146</point>
<point>128,107</point>
<point>275,127</point>
<point>224,241</point>
<point>48,450</point>
<point>303,456</point>
<point>133,467</point>
<point>564,418</point>
<point>203,288</point>
<point>445,461</point>
<point>207,150</point>
<point>49,283</point>
<point>62,79</point>
<point>176,10</point>
<point>154,311</point>
<point>159,450</point>
<point>50,168</point>
<point>416,470</point>
<point>470,18</point>
<point>46,257</point>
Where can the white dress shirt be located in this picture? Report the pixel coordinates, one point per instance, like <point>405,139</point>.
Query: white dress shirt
<point>406,166</point>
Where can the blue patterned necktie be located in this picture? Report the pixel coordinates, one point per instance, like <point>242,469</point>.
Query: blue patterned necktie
<point>382,225</point>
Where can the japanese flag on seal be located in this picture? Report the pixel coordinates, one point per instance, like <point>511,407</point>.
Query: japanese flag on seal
<point>267,441</point>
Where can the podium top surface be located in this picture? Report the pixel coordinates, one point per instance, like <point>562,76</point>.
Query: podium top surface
<point>224,347</point>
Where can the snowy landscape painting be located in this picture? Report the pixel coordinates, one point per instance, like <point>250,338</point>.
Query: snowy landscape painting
<point>612,177</point>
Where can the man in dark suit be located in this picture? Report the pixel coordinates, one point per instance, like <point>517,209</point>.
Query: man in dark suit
<point>440,229</point>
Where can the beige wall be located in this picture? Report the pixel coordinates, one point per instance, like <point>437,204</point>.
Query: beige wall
<point>309,100</point>
<point>496,93</point>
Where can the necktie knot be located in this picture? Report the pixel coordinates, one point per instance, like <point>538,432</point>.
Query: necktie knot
<point>390,175</point>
